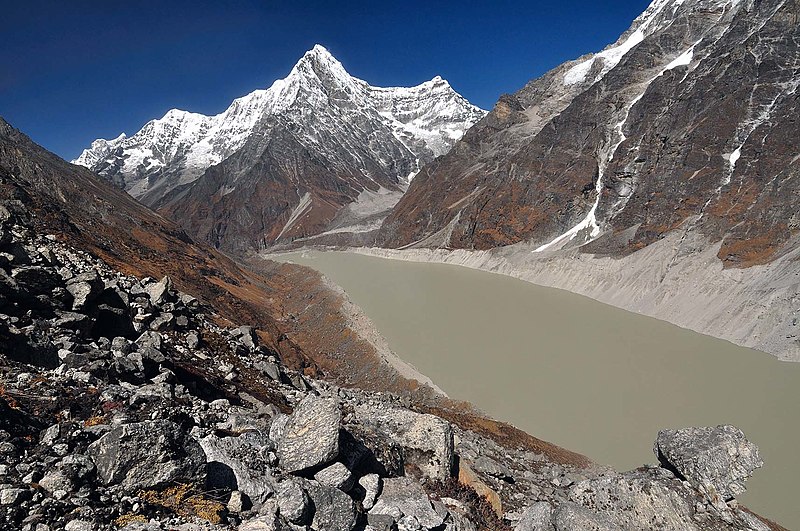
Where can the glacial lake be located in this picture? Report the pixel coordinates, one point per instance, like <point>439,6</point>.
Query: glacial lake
<point>581,374</point>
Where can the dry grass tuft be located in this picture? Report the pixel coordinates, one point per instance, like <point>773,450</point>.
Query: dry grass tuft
<point>128,519</point>
<point>181,500</point>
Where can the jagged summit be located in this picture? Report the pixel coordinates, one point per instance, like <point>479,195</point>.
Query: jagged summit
<point>176,149</point>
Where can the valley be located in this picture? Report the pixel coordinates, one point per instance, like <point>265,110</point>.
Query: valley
<point>328,304</point>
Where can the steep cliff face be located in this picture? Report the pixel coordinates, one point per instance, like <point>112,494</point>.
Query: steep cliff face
<point>687,123</point>
<point>281,163</point>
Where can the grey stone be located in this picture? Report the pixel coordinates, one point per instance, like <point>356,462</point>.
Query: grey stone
<point>150,354</point>
<point>149,339</point>
<point>79,525</point>
<point>159,291</point>
<point>163,322</point>
<point>246,337</point>
<point>84,289</point>
<point>716,461</point>
<point>491,467</point>
<point>333,509</point>
<point>382,522</point>
<point>278,426</point>
<point>427,440</point>
<point>147,454</point>
<point>240,463</point>
<point>56,480</point>
<point>371,483</point>
<point>336,475</point>
<point>537,517</point>
<point>311,437</point>
<point>78,466</point>
<point>13,496</point>
<point>261,523</point>
<point>122,345</point>
<point>237,502</point>
<point>49,436</point>
<point>72,320</point>
<point>573,517</point>
<point>406,497</point>
<point>292,501</point>
<point>269,369</point>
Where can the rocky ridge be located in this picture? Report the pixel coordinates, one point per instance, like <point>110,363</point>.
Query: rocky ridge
<point>128,404</point>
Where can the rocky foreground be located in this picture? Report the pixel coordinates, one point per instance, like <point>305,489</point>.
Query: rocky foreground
<point>125,404</point>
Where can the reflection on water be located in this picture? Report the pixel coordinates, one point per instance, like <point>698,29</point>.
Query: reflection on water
<point>587,376</point>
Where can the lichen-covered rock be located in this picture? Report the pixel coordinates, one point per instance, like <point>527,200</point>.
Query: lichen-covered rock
<point>332,508</point>
<point>147,454</point>
<point>335,475</point>
<point>292,501</point>
<point>537,517</point>
<point>240,463</point>
<point>371,483</point>
<point>404,497</point>
<point>311,436</point>
<point>427,440</point>
<point>716,461</point>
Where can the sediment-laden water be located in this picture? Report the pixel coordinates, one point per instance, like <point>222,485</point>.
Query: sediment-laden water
<point>587,376</point>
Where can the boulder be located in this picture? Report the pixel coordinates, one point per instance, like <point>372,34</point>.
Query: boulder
<point>159,291</point>
<point>311,436</point>
<point>36,280</point>
<point>336,475</point>
<point>537,517</point>
<point>240,463</point>
<point>147,454</point>
<point>716,461</point>
<point>427,440</point>
<point>404,497</point>
<point>332,508</point>
<point>84,288</point>
<point>292,501</point>
<point>371,483</point>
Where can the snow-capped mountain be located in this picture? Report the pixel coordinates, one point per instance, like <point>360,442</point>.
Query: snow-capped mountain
<point>667,127</point>
<point>404,127</point>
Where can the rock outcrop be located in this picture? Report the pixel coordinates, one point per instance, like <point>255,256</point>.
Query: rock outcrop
<point>716,461</point>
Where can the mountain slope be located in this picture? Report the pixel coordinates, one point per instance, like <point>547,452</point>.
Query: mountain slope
<point>287,158</point>
<point>660,175</point>
<point>685,123</point>
<point>94,216</point>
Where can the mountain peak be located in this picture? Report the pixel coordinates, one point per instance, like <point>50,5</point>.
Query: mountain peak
<point>320,62</point>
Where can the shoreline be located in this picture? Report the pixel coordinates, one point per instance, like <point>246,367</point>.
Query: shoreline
<point>756,308</point>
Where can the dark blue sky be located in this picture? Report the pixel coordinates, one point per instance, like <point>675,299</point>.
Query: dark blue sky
<point>72,71</point>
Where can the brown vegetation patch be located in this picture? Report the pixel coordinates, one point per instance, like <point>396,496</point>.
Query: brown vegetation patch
<point>183,501</point>
<point>481,511</point>
<point>509,436</point>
